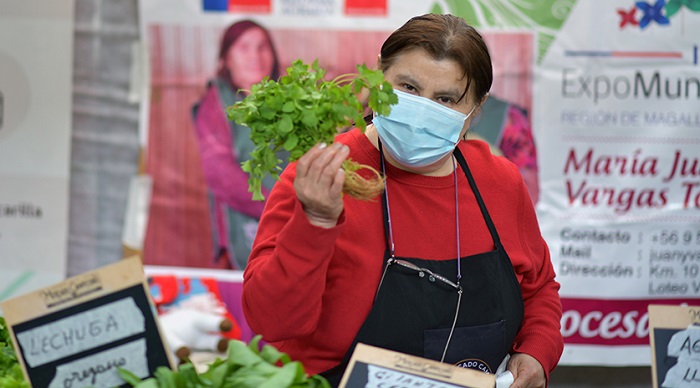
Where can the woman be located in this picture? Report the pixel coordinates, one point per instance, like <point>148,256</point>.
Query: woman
<point>246,56</point>
<point>448,264</point>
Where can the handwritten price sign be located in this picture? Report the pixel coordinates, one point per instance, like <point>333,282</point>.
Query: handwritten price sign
<point>78,332</point>
<point>675,344</point>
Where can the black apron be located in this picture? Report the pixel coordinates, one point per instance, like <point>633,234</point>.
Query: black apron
<point>414,312</point>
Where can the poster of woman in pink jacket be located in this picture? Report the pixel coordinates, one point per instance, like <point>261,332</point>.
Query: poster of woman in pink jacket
<point>246,56</point>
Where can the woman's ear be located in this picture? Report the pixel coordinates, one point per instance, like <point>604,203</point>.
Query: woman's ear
<point>483,100</point>
<point>379,61</point>
<point>481,104</point>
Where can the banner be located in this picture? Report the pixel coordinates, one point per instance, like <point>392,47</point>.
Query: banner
<point>36,53</point>
<point>616,108</point>
<point>595,102</point>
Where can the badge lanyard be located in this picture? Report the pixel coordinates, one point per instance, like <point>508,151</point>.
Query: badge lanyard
<point>432,276</point>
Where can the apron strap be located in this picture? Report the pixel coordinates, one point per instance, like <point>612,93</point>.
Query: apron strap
<point>487,217</point>
<point>385,204</point>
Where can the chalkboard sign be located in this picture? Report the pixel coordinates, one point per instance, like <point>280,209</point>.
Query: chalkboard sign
<point>674,333</point>
<point>78,332</point>
<point>372,367</point>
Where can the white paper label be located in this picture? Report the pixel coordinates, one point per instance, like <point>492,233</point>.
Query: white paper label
<point>686,346</point>
<point>80,332</point>
<point>100,370</point>
<point>378,377</point>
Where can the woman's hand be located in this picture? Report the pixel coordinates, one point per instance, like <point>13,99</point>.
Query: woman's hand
<point>527,371</point>
<point>319,183</point>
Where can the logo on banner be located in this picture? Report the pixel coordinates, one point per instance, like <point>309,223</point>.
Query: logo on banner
<point>365,7</point>
<point>643,14</point>
<point>237,6</point>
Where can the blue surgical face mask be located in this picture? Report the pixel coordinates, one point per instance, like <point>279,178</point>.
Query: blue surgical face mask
<point>418,131</point>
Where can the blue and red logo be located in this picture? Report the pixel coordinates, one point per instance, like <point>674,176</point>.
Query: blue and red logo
<point>644,14</point>
<point>237,6</point>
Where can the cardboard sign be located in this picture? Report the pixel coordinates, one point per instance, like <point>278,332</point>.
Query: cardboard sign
<point>374,367</point>
<point>78,332</point>
<point>674,333</point>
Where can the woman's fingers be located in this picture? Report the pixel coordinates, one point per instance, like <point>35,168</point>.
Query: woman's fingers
<point>319,182</point>
<point>305,161</point>
<point>527,371</point>
<point>321,163</point>
<point>329,163</point>
<point>336,188</point>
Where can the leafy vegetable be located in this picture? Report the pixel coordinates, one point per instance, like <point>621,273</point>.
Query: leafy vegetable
<point>10,371</point>
<point>301,110</point>
<point>246,366</point>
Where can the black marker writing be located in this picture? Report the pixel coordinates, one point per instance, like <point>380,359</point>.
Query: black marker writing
<point>92,372</point>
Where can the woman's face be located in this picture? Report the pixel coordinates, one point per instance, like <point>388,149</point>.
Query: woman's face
<point>250,58</point>
<point>442,81</point>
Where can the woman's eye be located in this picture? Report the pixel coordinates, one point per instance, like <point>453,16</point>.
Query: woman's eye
<point>445,100</point>
<point>409,88</point>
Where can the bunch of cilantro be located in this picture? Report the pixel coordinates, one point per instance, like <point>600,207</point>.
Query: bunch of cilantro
<point>10,372</point>
<point>246,366</point>
<point>302,109</point>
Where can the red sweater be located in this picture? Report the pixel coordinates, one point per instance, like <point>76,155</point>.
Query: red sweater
<point>307,290</point>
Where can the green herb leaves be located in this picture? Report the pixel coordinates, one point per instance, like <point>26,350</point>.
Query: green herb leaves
<point>301,110</point>
<point>246,366</point>
<point>10,372</point>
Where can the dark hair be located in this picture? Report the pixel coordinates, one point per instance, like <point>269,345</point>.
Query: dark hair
<point>444,37</point>
<point>230,37</point>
